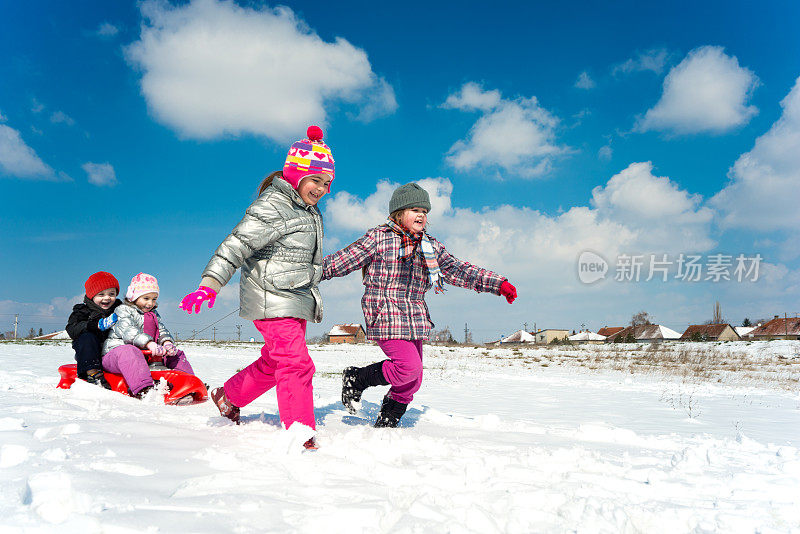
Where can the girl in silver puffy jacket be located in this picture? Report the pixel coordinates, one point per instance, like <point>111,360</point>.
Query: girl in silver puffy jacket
<point>278,246</point>
<point>139,327</point>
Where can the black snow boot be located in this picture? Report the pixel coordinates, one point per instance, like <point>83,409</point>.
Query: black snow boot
<point>97,377</point>
<point>143,392</point>
<point>391,412</point>
<point>356,379</point>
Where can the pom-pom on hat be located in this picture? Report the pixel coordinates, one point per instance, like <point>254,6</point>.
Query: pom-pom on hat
<point>141,284</point>
<point>410,195</point>
<point>308,156</point>
<point>100,281</point>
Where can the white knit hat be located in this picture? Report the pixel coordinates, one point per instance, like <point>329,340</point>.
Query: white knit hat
<point>141,284</point>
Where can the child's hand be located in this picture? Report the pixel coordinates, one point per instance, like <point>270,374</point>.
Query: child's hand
<point>155,349</point>
<point>508,291</point>
<point>170,347</point>
<point>196,299</point>
<point>107,322</point>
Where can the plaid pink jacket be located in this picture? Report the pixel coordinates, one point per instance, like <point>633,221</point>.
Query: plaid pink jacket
<point>394,291</point>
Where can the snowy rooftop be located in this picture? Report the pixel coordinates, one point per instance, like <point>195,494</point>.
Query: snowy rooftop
<point>587,336</point>
<point>344,329</point>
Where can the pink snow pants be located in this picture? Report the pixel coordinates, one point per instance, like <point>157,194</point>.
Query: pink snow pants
<point>284,363</point>
<point>403,369</point>
<point>128,361</point>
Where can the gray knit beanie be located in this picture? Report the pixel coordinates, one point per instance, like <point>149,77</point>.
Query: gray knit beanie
<point>409,196</point>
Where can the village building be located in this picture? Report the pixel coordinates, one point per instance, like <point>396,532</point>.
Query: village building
<point>347,333</point>
<point>62,334</point>
<point>545,337</point>
<point>778,328</point>
<point>608,331</point>
<point>744,331</point>
<point>710,332</point>
<point>587,337</point>
<point>520,336</point>
<point>646,333</point>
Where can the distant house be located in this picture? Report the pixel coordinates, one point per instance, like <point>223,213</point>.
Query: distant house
<point>710,332</point>
<point>520,336</point>
<point>609,331</point>
<point>587,337</point>
<point>778,328</point>
<point>646,333</point>
<point>347,333</point>
<point>744,331</point>
<point>544,337</point>
<point>55,335</point>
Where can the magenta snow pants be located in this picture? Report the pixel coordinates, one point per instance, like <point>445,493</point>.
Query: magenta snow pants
<point>128,361</point>
<point>284,363</point>
<point>403,369</point>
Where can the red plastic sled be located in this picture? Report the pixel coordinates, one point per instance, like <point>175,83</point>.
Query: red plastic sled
<point>185,389</point>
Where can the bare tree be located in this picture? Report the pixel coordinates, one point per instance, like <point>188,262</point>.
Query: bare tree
<point>717,318</point>
<point>641,318</point>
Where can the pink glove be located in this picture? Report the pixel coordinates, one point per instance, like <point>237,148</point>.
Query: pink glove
<point>508,291</point>
<point>197,299</point>
<point>156,349</point>
<point>170,348</point>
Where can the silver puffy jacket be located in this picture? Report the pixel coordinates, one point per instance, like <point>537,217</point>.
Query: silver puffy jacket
<point>129,329</point>
<point>278,245</point>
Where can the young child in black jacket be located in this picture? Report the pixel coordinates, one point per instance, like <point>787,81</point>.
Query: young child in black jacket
<point>89,325</point>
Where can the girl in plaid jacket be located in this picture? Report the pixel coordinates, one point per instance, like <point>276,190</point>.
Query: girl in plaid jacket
<point>400,262</point>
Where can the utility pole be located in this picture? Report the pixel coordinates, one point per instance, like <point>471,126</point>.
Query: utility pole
<point>16,323</point>
<point>194,334</point>
<point>534,333</point>
<point>466,332</point>
<point>239,331</point>
<point>526,326</point>
<point>214,338</point>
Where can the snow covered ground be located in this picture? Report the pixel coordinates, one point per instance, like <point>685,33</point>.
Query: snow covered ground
<point>498,440</point>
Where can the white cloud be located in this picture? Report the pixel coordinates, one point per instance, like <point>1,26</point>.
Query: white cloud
<point>763,191</point>
<point>211,68</point>
<point>20,160</point>
<point>585,81</point>
<point>664,217</point>
<point>472,97</point>
<point>517,136</point>
<point>59,117</point>
<point>3,118</point>
<point>605,152</point>
<point>100,174</point>
<point>706,92</point>
<point>107,30</point>
<point>36,106</point>
<point>652,60</point>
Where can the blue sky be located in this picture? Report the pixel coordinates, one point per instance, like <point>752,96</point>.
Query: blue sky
<point>133,136</point>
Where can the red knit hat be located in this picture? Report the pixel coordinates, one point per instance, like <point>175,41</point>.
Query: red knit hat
<point>98,282</point>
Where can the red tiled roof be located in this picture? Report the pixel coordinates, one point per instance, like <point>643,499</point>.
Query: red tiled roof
<point>779,327</point>
<point>610,330</point>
